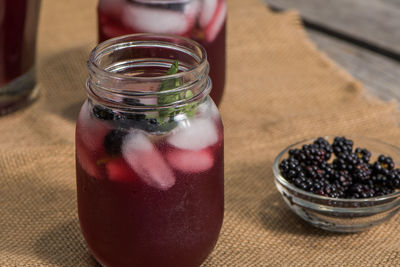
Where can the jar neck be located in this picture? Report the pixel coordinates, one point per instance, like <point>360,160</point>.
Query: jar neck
<point>133,72</point>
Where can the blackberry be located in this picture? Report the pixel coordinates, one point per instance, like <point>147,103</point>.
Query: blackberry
<point>361,172</point>
<point>309,154</point>
<point>394,178</point>
<point>291,169</point>
<point>113,142</point>
<point>132,101</point>
<point>363,154</point>
<point>324,147</point>
<point>106,114</point>
<point>385,162</point>
<point>343,178</point>
<point>341,145</point>
<point>139,121</point>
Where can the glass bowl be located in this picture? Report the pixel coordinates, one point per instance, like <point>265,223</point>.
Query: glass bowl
<point>339,214</point>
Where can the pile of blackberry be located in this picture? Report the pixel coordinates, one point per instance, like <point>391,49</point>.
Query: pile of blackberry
<point>349,174</point>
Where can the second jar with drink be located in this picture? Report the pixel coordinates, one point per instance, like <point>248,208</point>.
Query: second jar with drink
<point>201,20</point>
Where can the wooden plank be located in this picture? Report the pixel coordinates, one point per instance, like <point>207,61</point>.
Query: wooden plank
<point>380,75</point>
<point>375,21</point>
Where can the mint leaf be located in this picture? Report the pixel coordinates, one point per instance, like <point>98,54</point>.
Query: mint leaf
<point>170,113</point>
<point>171,83</point>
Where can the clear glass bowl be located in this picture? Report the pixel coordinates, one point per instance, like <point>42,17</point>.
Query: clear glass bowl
<point>339,214</point>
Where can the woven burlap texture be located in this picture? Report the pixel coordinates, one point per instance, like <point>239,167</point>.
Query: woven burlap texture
<point>280,89</point>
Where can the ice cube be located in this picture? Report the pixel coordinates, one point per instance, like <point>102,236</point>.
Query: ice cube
<point>214,112</point>
<point>207,11</point>
<point>192,10</point>
<point>190,161</point>
<point>87,160</point>
<point>156,20</point>
<point>147,161</point>
<point>208,109</point>
<point>216,23</point>
<point>91,130</point>
<point>194,134</point>
<point>149,101</point>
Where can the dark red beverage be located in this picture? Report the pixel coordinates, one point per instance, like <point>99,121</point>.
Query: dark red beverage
<point>128,221</point>
<point>18,26</point>
<point>201,20</point>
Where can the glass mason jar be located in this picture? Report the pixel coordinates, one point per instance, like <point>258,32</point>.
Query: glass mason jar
<point>149,154</point>
<point>18,28</point>
<point>201,20</point>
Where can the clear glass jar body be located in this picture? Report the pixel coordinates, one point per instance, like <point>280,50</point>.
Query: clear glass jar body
<point>201,20</point>
<point>18,28</point>
<point>149,173</point>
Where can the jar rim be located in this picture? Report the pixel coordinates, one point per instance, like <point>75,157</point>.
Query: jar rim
<point>107,85</point>
<point>126,40</point>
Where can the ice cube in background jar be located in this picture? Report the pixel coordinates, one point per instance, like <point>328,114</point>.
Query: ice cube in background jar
<point>155,19</point>
<point>147,161</point>
<point>207,10</point>
<point>217,21</point>
<point>194,134</point>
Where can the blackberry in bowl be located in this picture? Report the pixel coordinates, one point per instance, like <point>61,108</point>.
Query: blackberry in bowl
<point>340,184</point>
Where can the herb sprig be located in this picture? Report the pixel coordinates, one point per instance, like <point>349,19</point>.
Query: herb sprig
<point>169,84</point>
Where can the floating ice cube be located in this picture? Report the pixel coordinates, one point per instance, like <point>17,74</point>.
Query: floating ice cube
<point>91,130</point>
<point>190,161</point>
<point>214,112</point>
<point>194,134</point>
<point>208,109</point>
<point>147,161</point>
<point>156,20</point>
<point>87,160</point>
<point>216,23</point>
<point>149,101</point>
<point>207,11</point>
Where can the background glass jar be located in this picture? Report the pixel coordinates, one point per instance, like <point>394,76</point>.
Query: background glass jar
<point>18,28</point>
<point>149,154</point>
<point>201,20</point>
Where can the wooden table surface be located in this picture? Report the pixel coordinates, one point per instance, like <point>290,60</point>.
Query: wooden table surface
<point>362,36</point>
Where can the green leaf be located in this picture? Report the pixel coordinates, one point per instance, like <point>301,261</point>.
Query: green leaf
<point>170,113</point>
<point>171,83</point>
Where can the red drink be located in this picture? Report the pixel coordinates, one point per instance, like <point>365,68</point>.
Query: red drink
<point>201,20</point>
<point>150,186</point>
<point>18,25</point>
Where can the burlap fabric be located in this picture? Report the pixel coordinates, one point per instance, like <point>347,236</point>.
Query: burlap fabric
<point>280,89</point>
